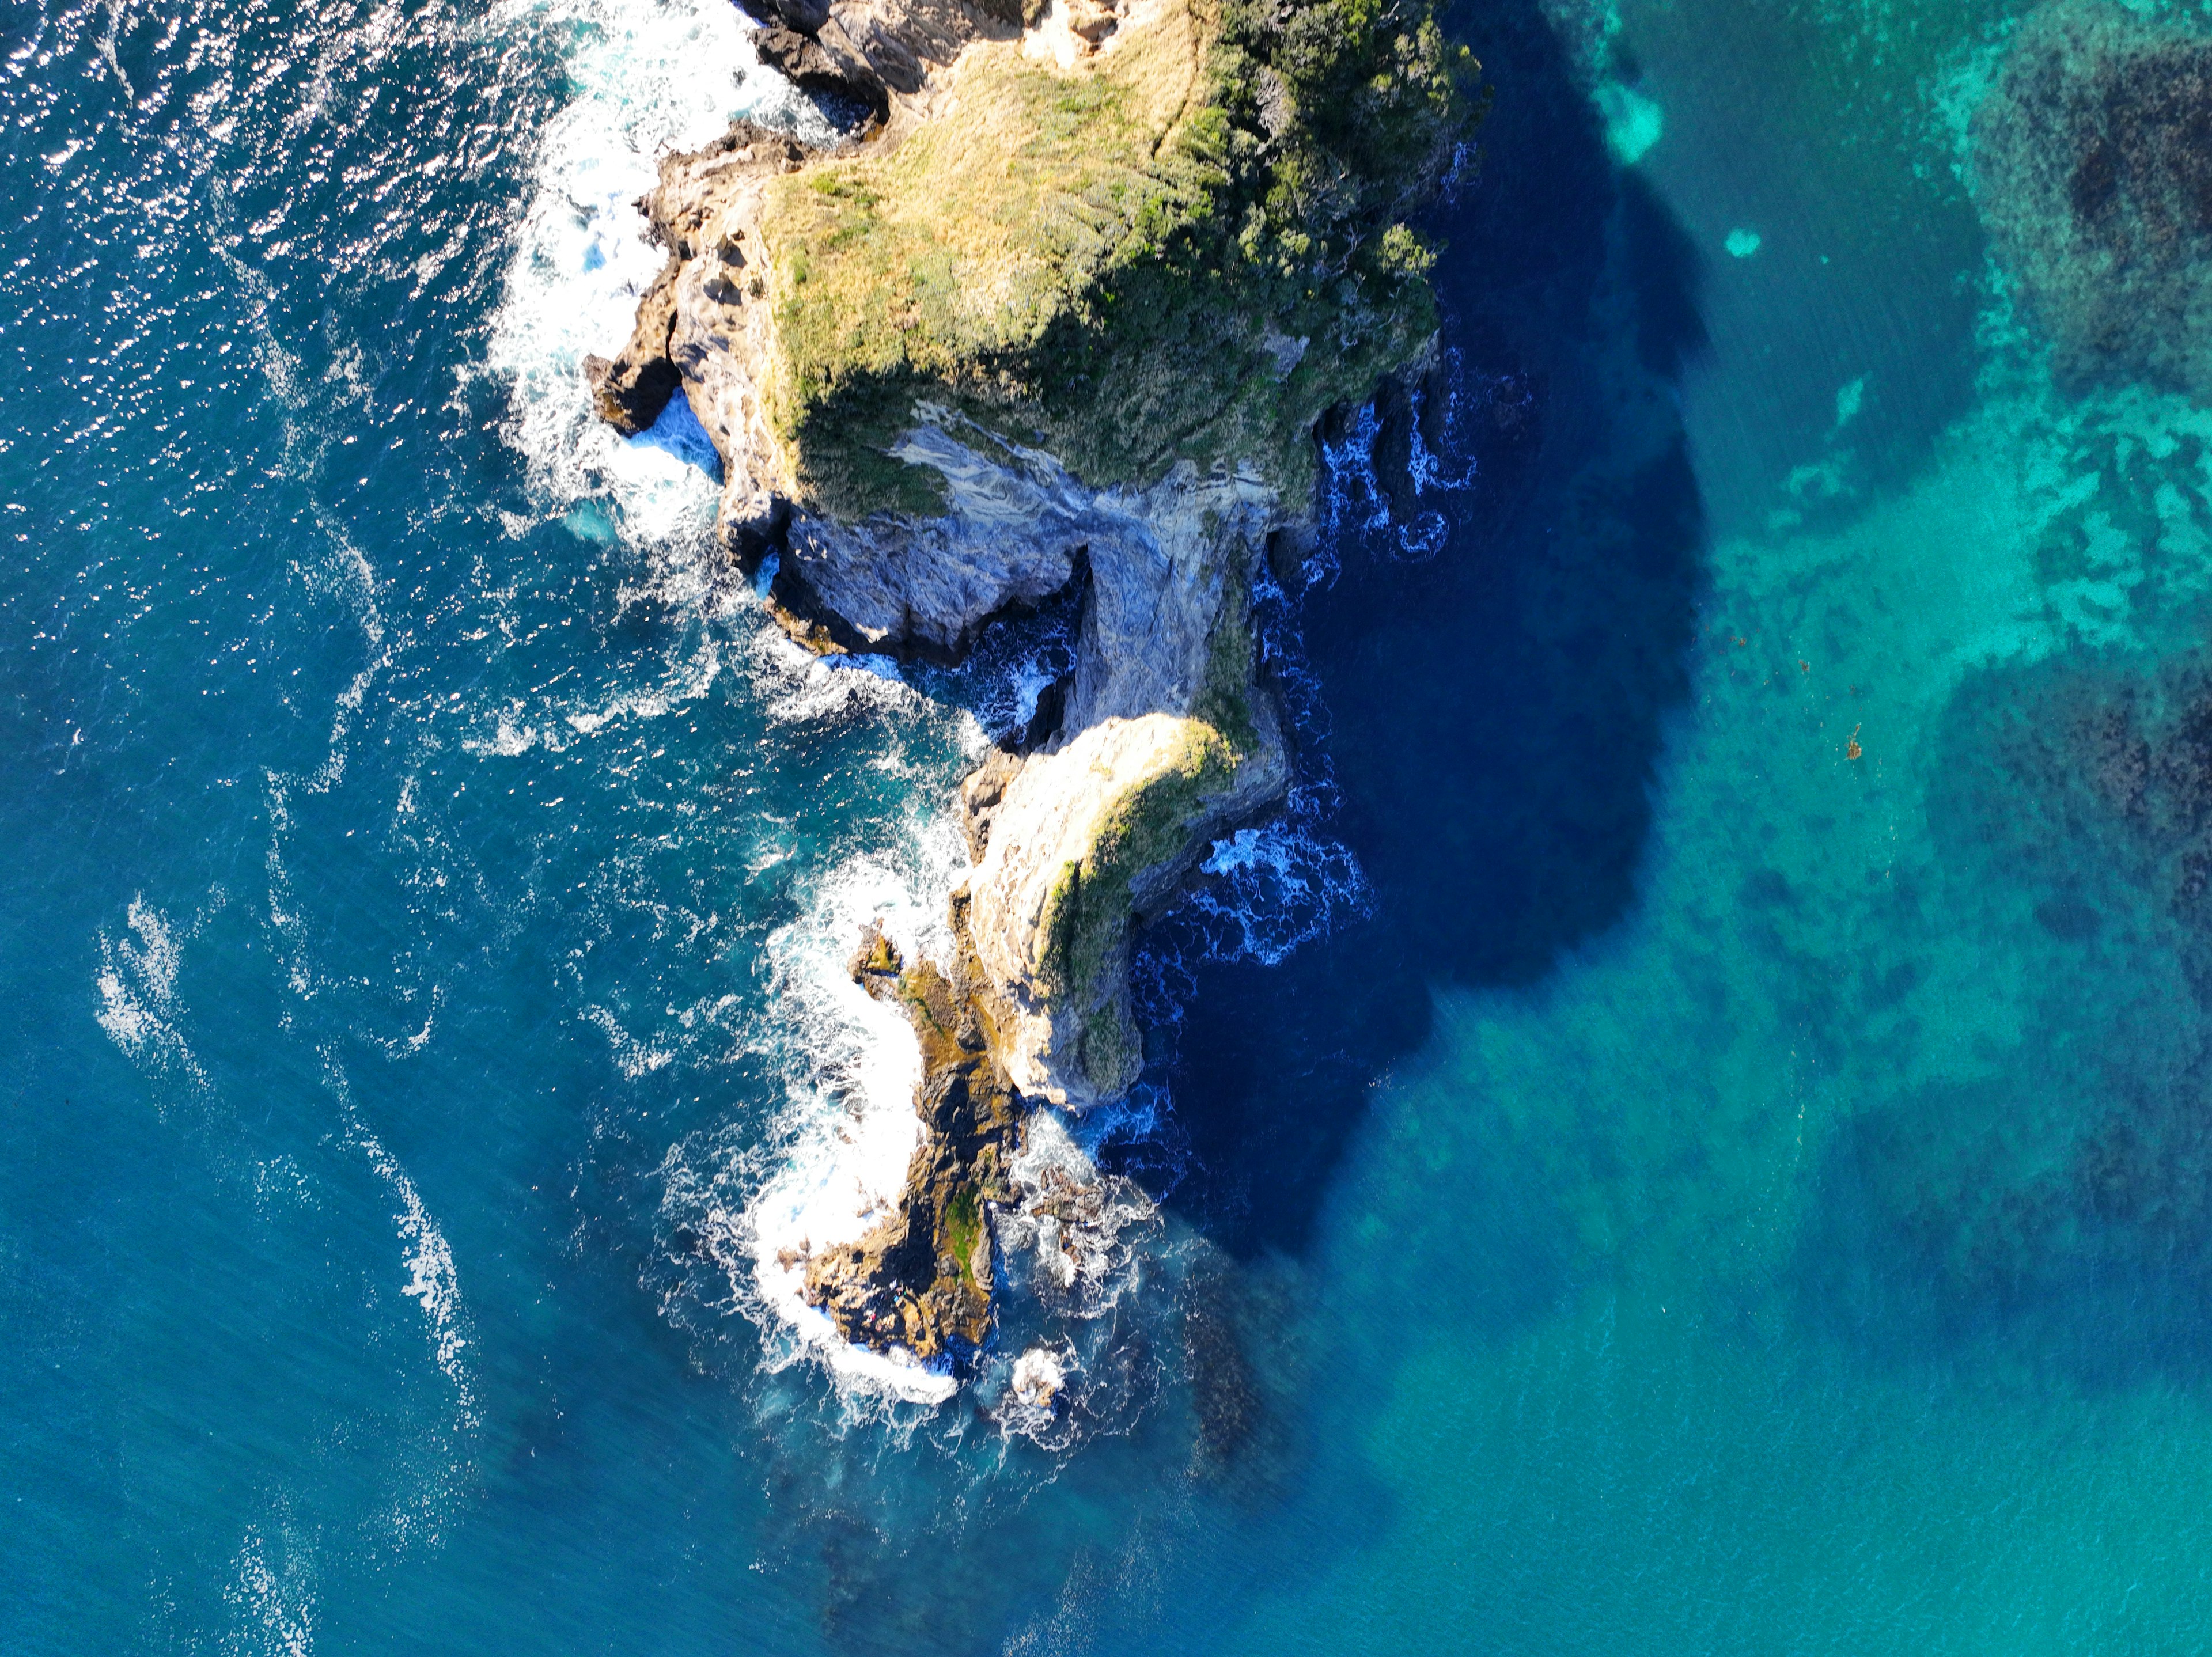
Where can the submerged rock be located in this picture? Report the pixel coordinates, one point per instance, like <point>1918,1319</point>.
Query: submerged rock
<point>1066,313</point>
<point>2092,162</point>
<point>1039,1376</point>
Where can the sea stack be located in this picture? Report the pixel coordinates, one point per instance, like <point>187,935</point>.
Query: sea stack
<point>1066,311</point>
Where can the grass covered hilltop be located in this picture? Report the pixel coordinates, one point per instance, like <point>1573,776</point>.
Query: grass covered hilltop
<point>1186,241</point>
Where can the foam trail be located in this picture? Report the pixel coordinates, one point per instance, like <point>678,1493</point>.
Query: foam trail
<point>433,1281</point>
<point>137,986</point>
<point>275,1605</point>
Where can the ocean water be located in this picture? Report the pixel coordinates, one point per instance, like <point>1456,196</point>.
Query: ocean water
<point>1687,1135</point>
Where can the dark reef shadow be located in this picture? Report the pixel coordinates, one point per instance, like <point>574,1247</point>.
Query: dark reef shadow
<point>1495,706</point>
<point>2053,1215</point>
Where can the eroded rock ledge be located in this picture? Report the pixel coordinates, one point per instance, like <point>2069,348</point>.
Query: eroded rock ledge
<point>1068,309</point>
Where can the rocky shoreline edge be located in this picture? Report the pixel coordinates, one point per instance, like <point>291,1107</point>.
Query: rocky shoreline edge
<point>996,347</point>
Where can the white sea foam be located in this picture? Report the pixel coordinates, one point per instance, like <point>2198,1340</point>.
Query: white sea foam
<point>1035,1403</point>
<point>1276,886</point>
<point>433,1281</point>
<point>650,79</point>
<point>850,1129</point>
<point>1353,501</point>
<point>137,986</point>
<point>275,1605</point>
<point>798,687</point>
<point>633,1057</point>
<point>1078,1228</point>
<point>834,1162</point>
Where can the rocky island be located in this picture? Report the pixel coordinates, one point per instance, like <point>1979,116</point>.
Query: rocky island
<point>1062,313</point>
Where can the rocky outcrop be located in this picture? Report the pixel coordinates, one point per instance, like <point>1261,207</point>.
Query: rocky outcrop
<point>922,1279</point>
<point>1065,312</point>
<point>1085,841</point>
<point>2092,170</point>
<point>869,51</point>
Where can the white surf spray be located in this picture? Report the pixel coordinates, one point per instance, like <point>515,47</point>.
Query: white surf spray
<point>651,79</point>
<point>1077,1227</point>
<point>137,986</point>
<point>850,1129</point>
<point>1276,886</point>
<point>834,1162</point>
<point>799,688</point>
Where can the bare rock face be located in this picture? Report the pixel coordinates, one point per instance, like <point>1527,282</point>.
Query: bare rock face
<point>2092,161</point>
<point>631,391</point>
<point>871,50</point>
<point>1088,840</point>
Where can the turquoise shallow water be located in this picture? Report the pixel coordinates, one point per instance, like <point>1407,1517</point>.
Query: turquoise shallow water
<point>1731,1178</point>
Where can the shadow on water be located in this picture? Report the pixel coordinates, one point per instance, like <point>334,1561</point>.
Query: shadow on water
<point>1495,708</point>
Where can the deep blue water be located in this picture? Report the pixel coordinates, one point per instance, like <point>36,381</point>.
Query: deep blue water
<point>1724,1169</point>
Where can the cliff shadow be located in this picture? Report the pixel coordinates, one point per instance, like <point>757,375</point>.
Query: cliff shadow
<point>1490,669</point>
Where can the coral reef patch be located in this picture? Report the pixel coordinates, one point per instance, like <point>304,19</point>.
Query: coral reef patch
<point>2092,164</point>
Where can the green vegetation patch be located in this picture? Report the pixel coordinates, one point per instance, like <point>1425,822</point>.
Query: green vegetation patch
<point>1224,699</point>
<point>963,1231</point>
<point>1118,261</point>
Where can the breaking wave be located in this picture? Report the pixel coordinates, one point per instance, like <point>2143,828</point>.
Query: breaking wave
<point>649,81</point>
<point>834,1161</point>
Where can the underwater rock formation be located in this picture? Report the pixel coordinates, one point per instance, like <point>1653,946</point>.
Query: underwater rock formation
<point>1067,312</point>
<point>2063,1209</point>
<point>2092,167</point>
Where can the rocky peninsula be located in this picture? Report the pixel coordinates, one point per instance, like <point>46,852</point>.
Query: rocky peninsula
<point>1061,315</point>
